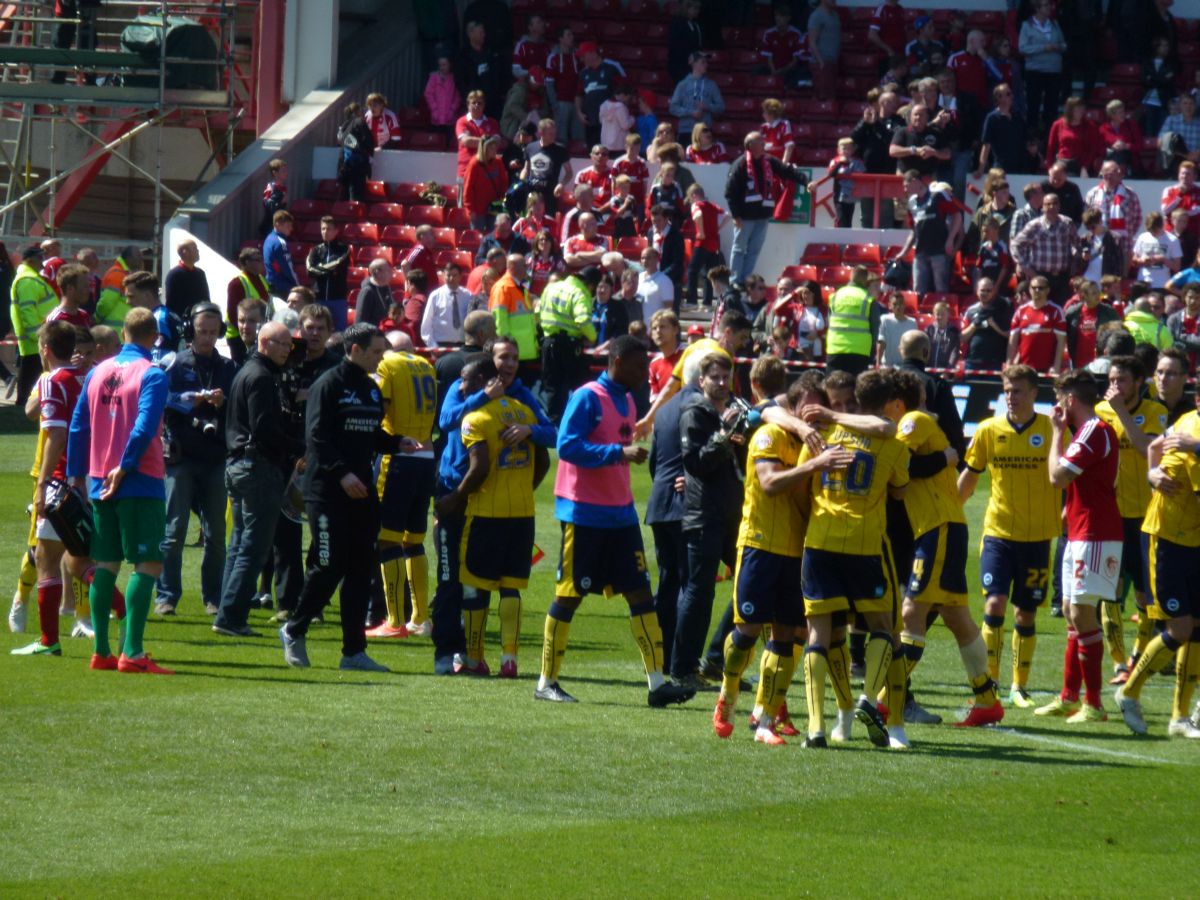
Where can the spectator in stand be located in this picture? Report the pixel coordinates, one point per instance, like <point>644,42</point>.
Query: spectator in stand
<point>610,317</point>
<point>375,296</point>
<point>1120,138</point>
<point>281,275</point>
<point>484,184</point>
<point>599,177</point>
<point>1047,248</point>
<point>562,85</point>
<point>783,50</point>
<point>704,149</point>
<point>1042,44</point>
<point>525,103</point>
<point>616,118</point>
<point>493,262</point>
<point>1120,207</point>
<point>596,81</point>
<point>1070,198</point>
<point>535,219</point>
<point>1080,21</point>
<point>1145,322</point>
<point>752,188</point>
<point>480,69</point>
<point>887,29</point>
<point>707,219</point>
<point>937,227</point>
<point>504,236</point>
<point>625,209</point>
<point>994,261</point>
<point>496,19</point>
<point>274,195</point>
<point>824,48</point>
<point>1179,137</point>
<point>384,125</point>
<point>892,327</point>
<point>668,191</point>
<point>248,284</point>
<point>1002,141</point>
<point>1004,68</point>
<point>810,323</point>
<point>423,256</point>
<point>1179,226</point>
<point>442,96</point>
<point>185,284</point>
<point>873,137</point>
<point>777,131</point>
<point>328,265</point>
<point>969,66</point>
<point>684,37</point>
<point>1184,195</point>
<point>1032,209</point>
<point>1084,321</point>
<point>646,122</point>
<point>1184,325</point>
<point>1099,252</point>
<point>922,49</point>
<point>587,248</point>
<point>469,130</point>
<point>696,98</point>
<point>583,204</point>
<point>1073,139</point>
<point>985,329</point>
<point>945,339</point>
<point>548,166</point>
<point>997,205</point>
<point>632,166</point>
<point>1159,74</point>
<point>531,50</point>
<point>664,136</point>
<point>841,167</point>
<point>667,240</point>
<point>1181,280</point>
<point>920,147</point>
<point>1038,336</point>
<point>654,287</point>
<point>513,157</point>
<point>544,261</point>
<point>445,310</point>
<point>1156,253</point>
<point>358,146</point>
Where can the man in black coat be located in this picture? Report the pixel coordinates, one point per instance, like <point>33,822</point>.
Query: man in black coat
<point>752,188</point>
<point>328,265</point>
<point>668,241</point>
<point>939,394</point>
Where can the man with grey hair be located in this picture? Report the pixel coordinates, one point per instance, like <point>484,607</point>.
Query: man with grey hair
<point>752,189</point>
<point>375,295</point>
<point>939,395</point>
<point>502,236</point>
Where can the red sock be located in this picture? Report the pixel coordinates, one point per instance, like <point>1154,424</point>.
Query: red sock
<point>1091,655</point>
<point>118,602</point>
<point>1072,667</point>
<point>49,599</point>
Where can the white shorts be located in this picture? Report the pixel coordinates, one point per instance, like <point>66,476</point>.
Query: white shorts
<point>1091,570</point>
<point>45,531</point>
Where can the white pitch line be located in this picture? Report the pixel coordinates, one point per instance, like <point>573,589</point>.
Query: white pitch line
<point>1084,748</point>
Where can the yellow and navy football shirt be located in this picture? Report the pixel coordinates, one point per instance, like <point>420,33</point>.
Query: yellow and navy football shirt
<point>507,492</point>
<point>1133,490</point>
<point>849,514</point>
<point>409,388</point>
<point>1024,505</point>
<point>930,501</point>
<point>1176,517</point>
<point>772,523</point>
<point>687,370</point>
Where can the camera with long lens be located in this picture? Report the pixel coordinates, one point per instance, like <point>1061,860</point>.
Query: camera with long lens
<point>744,419</point>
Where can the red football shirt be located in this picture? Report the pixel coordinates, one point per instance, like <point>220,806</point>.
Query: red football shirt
<point>777,136</point>
<point>79,317</point>
<point>1085,343</point>
<point>661,368</point>
<point>1038,330</point>
<point>1091,512</point>
<point>59,392</point>
<point>711,216</point>
<point>599,182</point>
<point>638,173</point>
<point>716,153</point>
<point>420,258</point>
<point>889,22</point>
<point>472,128</point>
<point>782,46</point>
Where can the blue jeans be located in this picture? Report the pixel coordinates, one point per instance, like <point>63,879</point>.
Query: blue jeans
<point>931,274</point>
<point>707,548</point>
<point>747,244</point>
<point>256,493</point>
<point>201,483</point>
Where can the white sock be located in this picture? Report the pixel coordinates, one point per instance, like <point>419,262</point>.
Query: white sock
<point>656,680</point>
<point>542,683</point>
<point>974,657</point>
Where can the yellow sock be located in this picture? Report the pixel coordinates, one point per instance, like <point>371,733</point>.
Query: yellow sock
<point>391,570</point>
<point>816,666</point>
<point>476,622</point>
<point>510,621</point>
<point>417,569</point>
<point>774,678</point>
<point>1187,670</point>
<point>1114,633</point>
<point>912,647</point>
<point>1145,631</point>
<point>647,633</point>
<point>784,670</point>
<point>1154,659</point>
<point>974,658</point>
<point>993,639</point>
<point>896,689</point>
<point>736,660</point>
<point>1023,646</point>
<point>838,662</point>
<point>879,657</point>
<point>554,641</point>
<point>83,612</point>
<point>27,578</point>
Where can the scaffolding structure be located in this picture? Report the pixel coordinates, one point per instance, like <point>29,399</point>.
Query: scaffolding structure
<point>111,96</point>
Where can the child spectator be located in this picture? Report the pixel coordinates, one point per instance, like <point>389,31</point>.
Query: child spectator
<point>1098,250</point>
<point>781,343</point>
<point>777,131</point>
<point>840,168</point>
<point>893,326</point>
<point>664,135</point>
<point>383,123</point>
<point>810,323</point>
<point>994,260</point>
<point>703,148</point>
<point>634,167</point>
<point>274,196</point>
<point>647,121</point>
<point>667,192</point>
<point>544,262</point>
<point>616,119</point>
<point>626,214</point>
<point>442,97</point>
<point>707,218</point>
<point>535,221</point>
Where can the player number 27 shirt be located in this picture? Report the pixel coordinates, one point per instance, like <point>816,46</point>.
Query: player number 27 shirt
<point>1091,511</point>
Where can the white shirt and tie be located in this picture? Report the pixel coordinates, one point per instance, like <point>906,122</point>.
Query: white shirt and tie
<point>442,320</point>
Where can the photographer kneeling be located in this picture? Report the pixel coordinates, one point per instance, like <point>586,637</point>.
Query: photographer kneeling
<point>198,381</point>
<point>712,434</point>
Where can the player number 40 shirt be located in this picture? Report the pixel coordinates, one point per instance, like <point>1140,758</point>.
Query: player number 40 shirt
<point>1091,511</point>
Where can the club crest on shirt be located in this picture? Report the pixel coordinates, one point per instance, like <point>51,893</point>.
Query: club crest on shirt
<point>1036,440</point>
<point>1172,605</point>
<point>763,442</point>
<point>908,427</point>
<point>747,609</point>
<point>1139,420</point>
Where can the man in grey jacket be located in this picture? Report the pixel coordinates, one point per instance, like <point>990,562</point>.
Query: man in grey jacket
<point>697,98</point>
<point>1042,44</point>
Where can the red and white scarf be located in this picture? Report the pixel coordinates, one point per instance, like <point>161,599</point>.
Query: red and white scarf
<point>766,194</point>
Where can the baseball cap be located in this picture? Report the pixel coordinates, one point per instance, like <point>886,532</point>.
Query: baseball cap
<point>922,21</point>
<point>588,47</point>
<point>695,331</point>
<point>648,97</point>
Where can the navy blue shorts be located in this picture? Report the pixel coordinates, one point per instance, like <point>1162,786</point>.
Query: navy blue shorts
<point>835,582</point>
<point>1172,570</point>
<point>1019,570</point>
<point>496,553</point>
<point>939,572</point>
<point>405,490</point>
<point>1132,565</point>
<point>766,588</point>
<point>605,561</point>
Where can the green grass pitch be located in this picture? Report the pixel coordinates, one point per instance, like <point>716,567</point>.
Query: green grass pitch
<point>240,777</point>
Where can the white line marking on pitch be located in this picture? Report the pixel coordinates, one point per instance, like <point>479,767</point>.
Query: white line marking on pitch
<point>1084,748</point>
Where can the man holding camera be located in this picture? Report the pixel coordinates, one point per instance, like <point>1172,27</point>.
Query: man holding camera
<point>711,432</point>
<point>198,381</point>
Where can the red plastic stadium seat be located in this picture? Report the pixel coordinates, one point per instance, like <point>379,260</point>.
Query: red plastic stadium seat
<point>299,251</point>
<point>859,63</point>
<point>631,247</point>
<point>800,273</point>
<point>426,215</point>
<point>812,110</point>
<point>834,275</point>
<point>376,190</point>
<point>465,260</point>
<point>469,240</point>
<point>406,193</point>
<point>743,107</point>
<point>745,61</point>
<point>356,276</point>
<point>458,218</point>
<point>424,140</point>
<point>604,9</point>
<point>1125,73</point>
<point>610,30</point>
<point>399,235</point>
<point>651,32</point>
<point>929,301</point>
<point>363,232</point>
<point>302,208</point>
<point>822,255</point>
<point>386,213</point>
<point>445,238</point>
<point>365,254</point>
<point>861,254</point>
<point>348,210</point>
<point>308,230</point>
<point>328,189</point>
